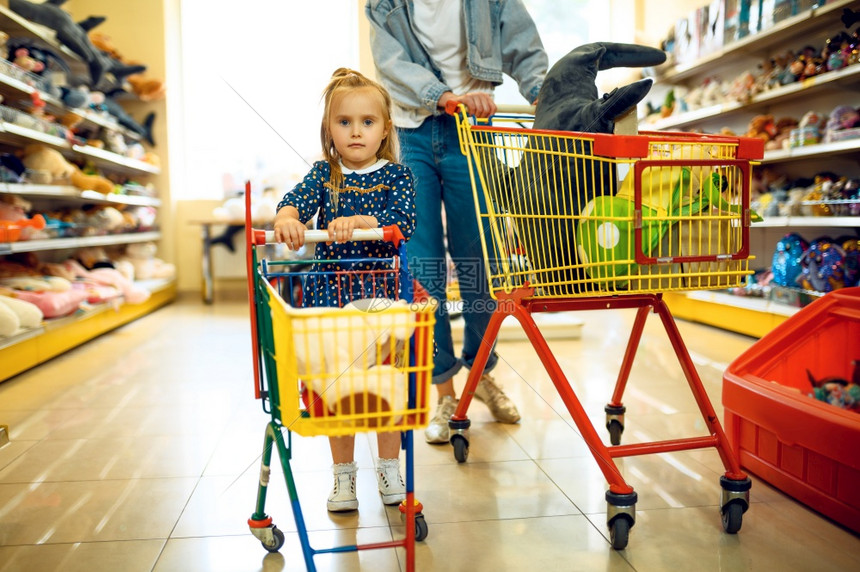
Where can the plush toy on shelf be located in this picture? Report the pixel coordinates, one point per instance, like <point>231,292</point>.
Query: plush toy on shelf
<point>146,89</point>
<point>762,126</point>
<point>786,265</point>
<point>822,266</point>
<point>141,256</point>
<point>17,315</point>
<point>52,165</point>
<point>71,34</point>
<point>14,222</point>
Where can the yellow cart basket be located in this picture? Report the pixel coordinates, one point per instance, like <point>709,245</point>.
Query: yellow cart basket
<point>588,214</point>
<point>364,364</point>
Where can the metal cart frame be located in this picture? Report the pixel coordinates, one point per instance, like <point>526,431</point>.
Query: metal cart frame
<point>553,280</point>
<point>278,382</point>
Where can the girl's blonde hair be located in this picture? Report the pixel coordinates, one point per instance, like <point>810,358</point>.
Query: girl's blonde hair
<point>343,80</point>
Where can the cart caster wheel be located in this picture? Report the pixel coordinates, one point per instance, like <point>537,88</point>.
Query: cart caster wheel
<point>420,528</point>
<point>615,430</point>
<point>461,448</point>
<point>733,517</point>
<point>619,532</point>
<point>277,540</point>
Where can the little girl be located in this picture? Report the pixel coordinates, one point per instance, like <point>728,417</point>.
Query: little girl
<point>358,185</point>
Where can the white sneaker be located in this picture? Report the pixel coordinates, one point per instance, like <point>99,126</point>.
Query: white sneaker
<point>437,430</point>
<point>390,481</point>
<point>502,408</point>
<point>342,497</point>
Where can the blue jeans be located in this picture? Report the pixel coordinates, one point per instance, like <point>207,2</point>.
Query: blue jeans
<point>441,173</point>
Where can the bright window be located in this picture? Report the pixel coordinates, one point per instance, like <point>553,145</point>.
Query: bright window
<point>253,73</point>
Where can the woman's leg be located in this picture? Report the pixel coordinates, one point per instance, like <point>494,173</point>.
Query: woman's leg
<point>464,244</point>
<point>429,264</point>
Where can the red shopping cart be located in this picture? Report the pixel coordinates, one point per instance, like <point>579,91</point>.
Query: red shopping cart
<point>365,365</point>
<point>602,221</point>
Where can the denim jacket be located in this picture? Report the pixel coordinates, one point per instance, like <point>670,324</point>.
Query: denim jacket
<point>513,46</point>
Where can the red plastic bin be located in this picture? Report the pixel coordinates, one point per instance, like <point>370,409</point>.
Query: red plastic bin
<point>807,448</point>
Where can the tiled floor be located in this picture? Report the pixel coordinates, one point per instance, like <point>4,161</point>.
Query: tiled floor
<point>139,451</point>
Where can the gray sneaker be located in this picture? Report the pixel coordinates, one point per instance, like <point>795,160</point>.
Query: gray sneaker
<point>502,408</point>
<point>437,430</point>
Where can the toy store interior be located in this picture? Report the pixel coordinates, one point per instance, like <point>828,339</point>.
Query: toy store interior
<point>148,348</point>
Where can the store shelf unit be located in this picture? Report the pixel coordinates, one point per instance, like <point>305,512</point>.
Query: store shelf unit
<point>18,129</point>
<point>757,316</point>
<point>29,349</point>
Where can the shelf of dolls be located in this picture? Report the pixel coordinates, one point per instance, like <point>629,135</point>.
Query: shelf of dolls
<point>19,86</point>
<point>844,78</point>
<point>69,193</point>
<point>809,222</point>
<point>18,135</point>
<point>77,242</point>
<point>34,111</point>
<point>17,26</point>
<point>788,30</point>
<point>116,162</point>
<point>57,336</point>
<point>819,151</point>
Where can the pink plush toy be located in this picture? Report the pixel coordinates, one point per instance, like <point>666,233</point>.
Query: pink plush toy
<point>109,277</point>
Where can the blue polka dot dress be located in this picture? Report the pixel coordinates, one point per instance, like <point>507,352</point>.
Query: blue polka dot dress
<point>385,191</point>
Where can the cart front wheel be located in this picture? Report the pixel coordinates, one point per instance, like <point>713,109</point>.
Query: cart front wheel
<point>619,532</point>
<point>277,540</point>
<point>461,448</point>
<point>733,517</point>
<point>615,430</point>
<point>420,528</point>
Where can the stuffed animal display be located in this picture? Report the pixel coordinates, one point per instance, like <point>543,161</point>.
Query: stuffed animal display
<point>73,35</point>
<point>836,390</point>
<point>783,68</point>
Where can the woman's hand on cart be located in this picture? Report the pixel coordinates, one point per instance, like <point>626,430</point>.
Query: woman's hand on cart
<point>478,103</point>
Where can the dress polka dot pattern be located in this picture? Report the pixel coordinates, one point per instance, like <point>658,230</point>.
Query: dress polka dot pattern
<point>384,191</point>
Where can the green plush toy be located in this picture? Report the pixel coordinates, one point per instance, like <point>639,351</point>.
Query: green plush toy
<point>605,233</point>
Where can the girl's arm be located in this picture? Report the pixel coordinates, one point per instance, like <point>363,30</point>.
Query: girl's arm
<point>341,228</point>
<point>288,228</point>
<point>299,206</point>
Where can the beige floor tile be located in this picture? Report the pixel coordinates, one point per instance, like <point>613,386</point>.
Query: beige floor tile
<point>36,424</point>
<point>98,459</point>
<point>541,543</point>
<point>12,450</point>
<point>109,464</point>
<point>489,491</point>
<point>128,556</point>
<point>693,539</point>
<point>87,511</point>
<point>244,553</point>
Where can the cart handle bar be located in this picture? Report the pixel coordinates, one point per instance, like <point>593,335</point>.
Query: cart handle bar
<point>389,233</point>
<point>453,106</point>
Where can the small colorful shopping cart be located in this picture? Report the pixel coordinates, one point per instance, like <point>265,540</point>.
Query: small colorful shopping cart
<point>587,221</point>
<point>363,365</point>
